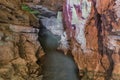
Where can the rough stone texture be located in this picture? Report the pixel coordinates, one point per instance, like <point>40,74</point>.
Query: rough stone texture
<point>18,50</point>
<point>10,12</point>
<point>53,4</point>
<point>18,44</point>
<point>33,1</point>
<point>102,60</point>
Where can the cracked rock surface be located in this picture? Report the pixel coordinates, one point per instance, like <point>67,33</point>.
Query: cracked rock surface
<point>18,43</point>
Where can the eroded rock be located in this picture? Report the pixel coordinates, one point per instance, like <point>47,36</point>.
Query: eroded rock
<point>20,17</point>
<point>102,42</point>
<point>19,47</point>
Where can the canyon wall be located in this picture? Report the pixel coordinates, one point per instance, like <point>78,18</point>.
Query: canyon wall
<point>18,43</point>
<point>19,48</point>
<point>99,59</point>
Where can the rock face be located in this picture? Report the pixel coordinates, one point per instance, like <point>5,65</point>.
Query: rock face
<point>18,50</point>
<point>53,4</point>
<point>18,44</point>
<point>10,12</point>
<point>101,60</point>
<point>33,1</point>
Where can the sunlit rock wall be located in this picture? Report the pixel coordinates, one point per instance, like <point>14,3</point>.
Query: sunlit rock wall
<point>19,47</point>
<point>100,59</point>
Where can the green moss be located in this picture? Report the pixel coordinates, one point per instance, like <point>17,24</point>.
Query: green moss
<point>27,8</point>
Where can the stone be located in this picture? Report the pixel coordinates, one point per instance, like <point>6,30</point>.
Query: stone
<point>36,1</point>
<point>20,17</point>
<point>1,35</point>
<point>6,71</point>
<point>18,38</point>
<point>53,4</point>
<point>6,54</point>
<point>23,29</point>
<point>102,42</point>
<point>20,67</point>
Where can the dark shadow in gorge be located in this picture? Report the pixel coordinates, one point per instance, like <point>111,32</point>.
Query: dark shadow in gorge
<point>102,49</point>
<point>55,65</point>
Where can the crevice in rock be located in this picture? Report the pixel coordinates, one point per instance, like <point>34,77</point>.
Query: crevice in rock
<point>101,48</point>
<point>54,62</point>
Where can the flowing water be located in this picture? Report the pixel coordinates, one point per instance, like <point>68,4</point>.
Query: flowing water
<point>56,65</point>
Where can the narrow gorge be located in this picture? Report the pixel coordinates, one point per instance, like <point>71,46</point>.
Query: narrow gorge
<point>59,40</point>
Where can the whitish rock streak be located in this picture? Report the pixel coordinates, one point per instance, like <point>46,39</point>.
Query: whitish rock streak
<point>78,12</point>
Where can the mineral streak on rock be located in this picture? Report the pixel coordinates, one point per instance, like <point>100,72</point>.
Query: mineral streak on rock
<point>101,38</point>
<point>23,29</point>
<point>117,9</point>
<point>75,15</point>
<point>113,43</point>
